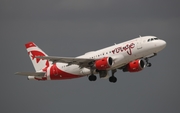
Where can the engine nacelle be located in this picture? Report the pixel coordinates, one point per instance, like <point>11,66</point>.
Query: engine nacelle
<point>103,63</point>
<point>134,66</point>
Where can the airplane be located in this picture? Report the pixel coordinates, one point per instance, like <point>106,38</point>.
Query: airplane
<point>130,56</point>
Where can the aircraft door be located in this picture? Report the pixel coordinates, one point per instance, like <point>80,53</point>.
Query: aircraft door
<point>139,43</point>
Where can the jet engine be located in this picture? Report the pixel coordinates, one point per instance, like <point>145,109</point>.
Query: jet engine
<point>134,66</point>
<point>104,63</point>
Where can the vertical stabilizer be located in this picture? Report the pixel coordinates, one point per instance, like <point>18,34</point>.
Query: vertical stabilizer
<point>33,51</point>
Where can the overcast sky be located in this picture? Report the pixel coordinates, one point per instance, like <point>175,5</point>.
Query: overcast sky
<point>73,27</point>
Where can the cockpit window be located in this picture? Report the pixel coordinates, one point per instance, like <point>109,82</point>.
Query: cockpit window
<point>151,39</point>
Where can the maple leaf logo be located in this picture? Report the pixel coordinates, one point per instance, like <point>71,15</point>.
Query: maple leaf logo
<point>36,53</point>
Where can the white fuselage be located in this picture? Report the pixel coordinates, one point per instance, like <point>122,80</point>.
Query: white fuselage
<point>121,54</point>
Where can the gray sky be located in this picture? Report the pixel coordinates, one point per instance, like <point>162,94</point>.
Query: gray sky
<point>73,27</point>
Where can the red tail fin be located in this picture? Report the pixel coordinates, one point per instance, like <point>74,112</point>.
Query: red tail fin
<point>33,51</point>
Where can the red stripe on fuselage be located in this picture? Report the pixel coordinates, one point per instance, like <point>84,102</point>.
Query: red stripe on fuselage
<point>57,74</point>
<point>41,79</point>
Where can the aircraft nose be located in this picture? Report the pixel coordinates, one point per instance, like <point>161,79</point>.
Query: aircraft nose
<point>161,44</point>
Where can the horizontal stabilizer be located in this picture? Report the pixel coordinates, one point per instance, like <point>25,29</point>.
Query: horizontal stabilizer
<point>36,74</point>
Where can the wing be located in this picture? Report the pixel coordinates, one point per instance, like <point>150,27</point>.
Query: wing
<point>82,62</point>
<point>37,74</point>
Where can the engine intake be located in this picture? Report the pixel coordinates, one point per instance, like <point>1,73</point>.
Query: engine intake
<point>103,63</point>
<point>134,66</point>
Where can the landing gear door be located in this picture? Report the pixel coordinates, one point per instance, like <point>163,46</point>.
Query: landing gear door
<point>139,43</point>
